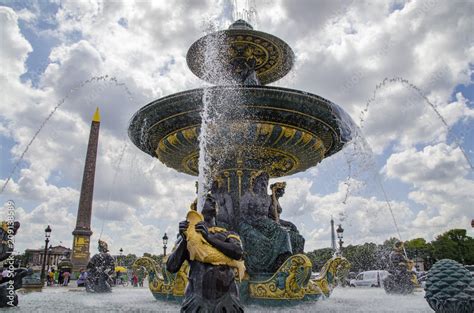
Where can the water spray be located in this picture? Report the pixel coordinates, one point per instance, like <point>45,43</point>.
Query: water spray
<point>114,181</point>
<point>408,84</point>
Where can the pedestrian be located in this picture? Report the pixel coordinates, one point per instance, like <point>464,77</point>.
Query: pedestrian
<point>140,278</point>
<point>56,277</point>
<point>118,280</point>
<point>81,281</point>
<point>5,272</point>
<point>66,276</point>
<point>135,280</point>
<point>51,277</point>
<point>60,278</point>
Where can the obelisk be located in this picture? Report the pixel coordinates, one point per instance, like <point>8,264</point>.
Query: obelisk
<point>82,232</point>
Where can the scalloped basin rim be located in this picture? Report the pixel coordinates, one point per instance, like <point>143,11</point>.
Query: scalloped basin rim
<point>201,89</point>
<point>289,110</point>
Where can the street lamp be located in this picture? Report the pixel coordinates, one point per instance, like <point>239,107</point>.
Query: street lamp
<point>120,260</point>
<point>339,232</point>
<point>47,234</point>
<point>165,242</point>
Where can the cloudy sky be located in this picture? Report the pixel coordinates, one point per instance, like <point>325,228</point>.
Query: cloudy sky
<point>121,55</point>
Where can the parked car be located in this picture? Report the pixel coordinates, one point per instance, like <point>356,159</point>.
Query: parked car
<point>369,279</point>
<point>314,275</point>
<point>422,280</point>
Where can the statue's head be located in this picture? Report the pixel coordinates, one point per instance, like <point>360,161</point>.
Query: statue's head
<point>209,210</point>
<point>103,247</point>
<point>398,246</point>
<point>217,183</point>
<point>7,225</point>
<point>193,205</point>
<point>278,188</point>
<point>259,182</point>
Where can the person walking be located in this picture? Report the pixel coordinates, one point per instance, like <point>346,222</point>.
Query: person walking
<point>60,277</point>
<point>135,280</point>
<point>118,279</point>
<point>51,277</point>
<point>56,277</point>
<point>140,278</point>
<point>66,276</point>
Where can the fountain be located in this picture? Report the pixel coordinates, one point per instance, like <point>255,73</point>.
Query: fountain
<point>235,136</point>
<point>100,269</point>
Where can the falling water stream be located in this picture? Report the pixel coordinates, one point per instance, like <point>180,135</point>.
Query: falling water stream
<point>206,120</point>
<point>219,110</point>
<point>114,181</point>
<point>406,83</point>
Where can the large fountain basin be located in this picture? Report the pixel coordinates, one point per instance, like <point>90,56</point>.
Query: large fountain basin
<point>282,131</point>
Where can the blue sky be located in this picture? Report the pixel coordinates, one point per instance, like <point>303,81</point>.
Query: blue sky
<point>50,47</point>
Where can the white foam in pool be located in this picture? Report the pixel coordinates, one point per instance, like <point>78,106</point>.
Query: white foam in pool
<point>129,299</point>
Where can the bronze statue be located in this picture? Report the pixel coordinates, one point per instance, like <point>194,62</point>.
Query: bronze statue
<point>401,279</point>
<point>266,242</point>
<point>213,253</point>
<point>225,210</point>
<point>100,269</point>
<point>297,241</point>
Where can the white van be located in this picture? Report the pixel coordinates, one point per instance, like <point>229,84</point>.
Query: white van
<point>369,279</point>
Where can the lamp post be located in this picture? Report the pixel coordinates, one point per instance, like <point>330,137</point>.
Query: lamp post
<point>47,233</point>
<point>340,232</point>
<point>165,242</point>
<point>120,259</point>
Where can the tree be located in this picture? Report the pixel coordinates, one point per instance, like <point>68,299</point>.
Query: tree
<point>390,243</point>
<point>319,257</point>
<point>362,257</point>
<point>418,247</point>
<point>128,260</point>
<point>456,245</point>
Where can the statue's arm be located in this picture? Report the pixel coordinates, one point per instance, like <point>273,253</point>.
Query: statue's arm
<point>231,247</point>
<point>177,257</point>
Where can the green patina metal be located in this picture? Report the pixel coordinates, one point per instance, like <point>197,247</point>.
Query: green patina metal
<point>450,288</point>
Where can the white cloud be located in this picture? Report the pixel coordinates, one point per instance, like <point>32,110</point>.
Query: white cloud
<point>440,175</point>
<point>15,47</point>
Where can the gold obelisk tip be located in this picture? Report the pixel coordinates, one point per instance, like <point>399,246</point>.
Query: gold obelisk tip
<point>96,117</point>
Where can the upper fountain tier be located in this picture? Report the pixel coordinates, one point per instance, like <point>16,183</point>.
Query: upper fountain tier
<point>224,57</point>
<point>250,127</point>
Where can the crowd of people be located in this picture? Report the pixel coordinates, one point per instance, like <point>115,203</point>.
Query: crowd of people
<point>135,279</point>
<point>63,277</point>
<point>58,277</point>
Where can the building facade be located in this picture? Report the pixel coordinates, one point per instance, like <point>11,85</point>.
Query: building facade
<point>54,255</point>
